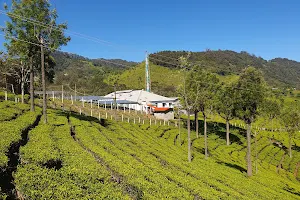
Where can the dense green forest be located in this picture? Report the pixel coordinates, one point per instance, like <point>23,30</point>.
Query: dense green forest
<point>91,74</point>
<point>87,74</point>
<point>278,72</point>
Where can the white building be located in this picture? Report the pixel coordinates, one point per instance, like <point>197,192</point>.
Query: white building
<point>160,106</point>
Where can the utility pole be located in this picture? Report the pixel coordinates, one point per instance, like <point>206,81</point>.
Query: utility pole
<point>43,80</point>
<point>148,85</point>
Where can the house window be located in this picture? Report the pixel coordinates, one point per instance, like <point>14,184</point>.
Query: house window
<point>164,104</point>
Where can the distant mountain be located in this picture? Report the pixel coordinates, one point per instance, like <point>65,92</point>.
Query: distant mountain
<point>90,75</point>
<point>277,72</point>
<point>87,74</point>
<point>64,60</point>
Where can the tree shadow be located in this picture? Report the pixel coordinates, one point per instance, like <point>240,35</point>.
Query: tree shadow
<point>296,148</point>
<point>218,129</point>
<point>82,117</point>
<point>234,166</point>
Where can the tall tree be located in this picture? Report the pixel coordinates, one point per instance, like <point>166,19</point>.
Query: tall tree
<point>187,97</point>
<point>250,93</point>
<point>204,86</point>
<point>271,109</point>
<point>32,30</point>
<point>290,118</point>
<point>225,106</point>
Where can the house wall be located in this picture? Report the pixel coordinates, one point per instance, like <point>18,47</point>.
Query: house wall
<point>167,105</point>
<point>165,116</point>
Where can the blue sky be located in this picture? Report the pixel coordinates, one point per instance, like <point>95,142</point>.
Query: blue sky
<point>265,28</point>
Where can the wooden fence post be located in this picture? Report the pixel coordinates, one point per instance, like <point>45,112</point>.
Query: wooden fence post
<point>122,117</point>
<point>99,116</point>
<point>139,120</point>
<point>5,95</point>
<point>72,99</point>
<point>128,120</point>
<point>91,112</point>
<point>134,120</point>
<point>62,94</point>
<point>106,115</point>
<point>80,111</point>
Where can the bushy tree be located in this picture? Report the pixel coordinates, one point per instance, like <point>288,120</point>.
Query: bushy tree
<point>250,93</point>
<point>271,109</point>
<point>187,97</point>
<point>204,86</point>
<point>290,118</point>
<point>225,106</point>
<point>33,31</point>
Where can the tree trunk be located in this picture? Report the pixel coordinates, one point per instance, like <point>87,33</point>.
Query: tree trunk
<point>179,127</point>
<point>22,83</point>
<point>249,162</point>
<point>43,83</point>
<point>272,124</point>
<point>227,132</point>
<point>189,136</point>
<point>31,86</point>
<point>256,153</point>
<point>205,136</point>
<point>115,102</point>
<point>22,90</point>
<point>196,124</point>
<point>290,146</point>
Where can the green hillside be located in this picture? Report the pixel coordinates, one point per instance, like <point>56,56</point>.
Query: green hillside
<point>277,72</point>
<point>164,70</point>
<point>80,157</point>
<point>163,80</point>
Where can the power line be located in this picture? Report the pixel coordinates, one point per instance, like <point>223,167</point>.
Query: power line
<point>207,84</point>
<point>104,60</point>
<point>45,25</point>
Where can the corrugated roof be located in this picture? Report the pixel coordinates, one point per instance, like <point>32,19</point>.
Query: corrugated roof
<point>138,96</point>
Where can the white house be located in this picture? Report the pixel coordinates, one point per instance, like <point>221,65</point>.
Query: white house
<point>160,106</point>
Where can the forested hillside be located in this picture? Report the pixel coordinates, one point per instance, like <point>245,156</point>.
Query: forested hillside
<point>277,72</point>
<point>87,74</point>
<point>91,74</point>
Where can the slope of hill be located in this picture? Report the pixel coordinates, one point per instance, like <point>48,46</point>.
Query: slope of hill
<point>277,72</point>
<point>87,74</point>
<point>163,80</point>
<point>64,60</point>
<point>79,157</point>
<point>164,69</point>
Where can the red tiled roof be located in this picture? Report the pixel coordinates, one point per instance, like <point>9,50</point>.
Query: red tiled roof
<point>159,109</point>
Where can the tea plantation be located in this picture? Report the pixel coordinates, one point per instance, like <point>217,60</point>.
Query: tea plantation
<point>81,157</point>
